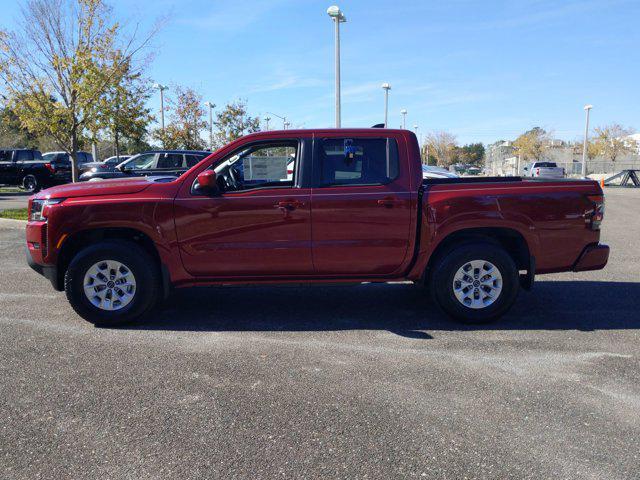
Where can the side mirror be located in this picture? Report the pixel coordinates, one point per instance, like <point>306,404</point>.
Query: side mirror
<point>207,182</point>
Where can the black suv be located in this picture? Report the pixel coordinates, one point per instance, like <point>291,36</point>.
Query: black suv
<point>155,162</point>
<point>28,169</point>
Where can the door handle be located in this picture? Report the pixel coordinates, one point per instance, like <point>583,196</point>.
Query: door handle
<point>288,205</point>
<point>390,202</point>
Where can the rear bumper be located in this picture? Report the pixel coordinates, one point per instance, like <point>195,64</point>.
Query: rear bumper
<point>593,257</point>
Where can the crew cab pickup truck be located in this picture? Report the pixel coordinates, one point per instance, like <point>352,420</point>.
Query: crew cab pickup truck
<point>356,209</point>
<point>28,169</point>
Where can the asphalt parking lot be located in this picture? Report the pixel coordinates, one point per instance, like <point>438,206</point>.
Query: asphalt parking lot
<point>358,382</point>
<point>10,200</point>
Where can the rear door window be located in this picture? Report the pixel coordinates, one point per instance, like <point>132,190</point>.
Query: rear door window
<point>24,155</point>
<point>170,160</point>
<point>358,161</point>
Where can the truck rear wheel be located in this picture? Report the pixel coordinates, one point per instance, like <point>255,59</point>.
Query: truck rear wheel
<point>112,283</point>
<point>475,283</point>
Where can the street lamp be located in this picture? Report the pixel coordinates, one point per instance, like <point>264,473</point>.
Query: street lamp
<point>386,87</point>
<point>267,120</point>
<point>210,105</point>
<point>284,119</point>
<point>286,125</point>
<point>162,88</point>
<point>338,17</point>
<point>403,112</point>
<point>587,108</point>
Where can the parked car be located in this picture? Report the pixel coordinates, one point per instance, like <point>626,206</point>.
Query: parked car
<point>356,210</point>
<point>543,170</point>
<point>63,160</point>
<point>107,164</point>
<point>430,171</point>
<point>156,162</point>
<point>26,168</point>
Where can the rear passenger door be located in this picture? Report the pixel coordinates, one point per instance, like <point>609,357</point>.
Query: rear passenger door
<point>170,164</point>
<point>361,206</point>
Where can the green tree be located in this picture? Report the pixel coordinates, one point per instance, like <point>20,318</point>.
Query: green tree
<point>187,120</point>
<point>233,122</point>
<point>12,133</point>
<point>65,50</point>
<point>472,153</point>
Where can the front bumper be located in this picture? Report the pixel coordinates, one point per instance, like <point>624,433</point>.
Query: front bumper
<point>50,272</point>
<point>593,257</point>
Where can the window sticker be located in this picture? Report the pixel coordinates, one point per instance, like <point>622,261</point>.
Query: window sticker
<point>265,168</point>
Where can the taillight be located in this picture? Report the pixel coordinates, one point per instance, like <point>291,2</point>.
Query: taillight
<point>50,167</point>
<point>594,215</point>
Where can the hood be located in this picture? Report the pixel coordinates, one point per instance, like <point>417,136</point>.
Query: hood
<point>117,186</point>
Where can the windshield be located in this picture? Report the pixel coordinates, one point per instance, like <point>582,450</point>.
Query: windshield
<point>140,162</point>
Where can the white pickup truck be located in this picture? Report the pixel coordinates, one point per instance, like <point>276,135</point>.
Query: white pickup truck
<point>543,170</point>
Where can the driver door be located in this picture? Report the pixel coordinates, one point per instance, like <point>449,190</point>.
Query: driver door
<point>259,224</point>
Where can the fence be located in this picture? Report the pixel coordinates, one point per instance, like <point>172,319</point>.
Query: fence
<point>511,166</point>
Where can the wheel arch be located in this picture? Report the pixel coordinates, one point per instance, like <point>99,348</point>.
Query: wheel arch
<point>511,240</point>
<point>77,241</point>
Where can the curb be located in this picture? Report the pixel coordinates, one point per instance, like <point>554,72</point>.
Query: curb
<point>12,224</point>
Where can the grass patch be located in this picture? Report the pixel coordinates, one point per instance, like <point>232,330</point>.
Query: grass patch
<point>15,214</point>
<point>10,190</point>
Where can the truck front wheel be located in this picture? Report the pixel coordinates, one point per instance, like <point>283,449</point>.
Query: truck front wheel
<point>112,283</point>
<point>30,184</point>
<point>475,282</point>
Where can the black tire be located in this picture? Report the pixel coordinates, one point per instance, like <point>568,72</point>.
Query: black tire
<point>444,273</point>
<point>144,268</point>
<point>30,184</point>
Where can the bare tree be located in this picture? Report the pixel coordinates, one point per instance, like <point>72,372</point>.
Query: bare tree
<point>611,141</point>
<point>442,146</point>
<point>531,144</point>
<point>59,62</point>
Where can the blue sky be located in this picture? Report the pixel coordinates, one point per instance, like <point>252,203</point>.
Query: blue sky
<point>483,70</point>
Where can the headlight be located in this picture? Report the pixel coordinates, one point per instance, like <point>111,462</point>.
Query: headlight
<point>36,213</point>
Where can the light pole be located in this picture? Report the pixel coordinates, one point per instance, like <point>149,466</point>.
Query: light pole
<point>162,88</point>
<point>586,139</point>
<point>403,112</point>
<point>286,125</point>
<point>267,120</point>
<point>210,105</point>
<point>386,87</point>
<point>338,17</point>
<point>284,120</point>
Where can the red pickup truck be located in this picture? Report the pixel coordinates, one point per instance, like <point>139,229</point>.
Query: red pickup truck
<point>311,206</point>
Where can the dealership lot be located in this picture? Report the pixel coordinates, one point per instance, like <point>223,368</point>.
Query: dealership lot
<point>328,382</point>
<point>13,199</point>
